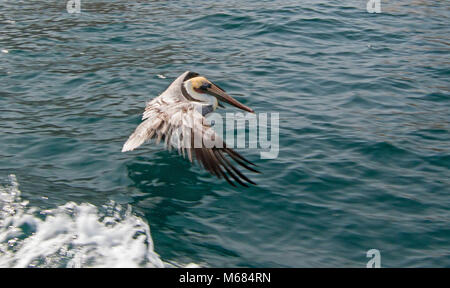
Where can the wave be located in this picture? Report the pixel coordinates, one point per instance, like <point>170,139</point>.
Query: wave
<point>72,235</point>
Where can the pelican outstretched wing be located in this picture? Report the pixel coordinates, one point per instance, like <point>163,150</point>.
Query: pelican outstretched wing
<point>181,126</point>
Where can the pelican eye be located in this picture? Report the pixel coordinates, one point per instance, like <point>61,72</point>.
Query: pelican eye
<point>205,86</point>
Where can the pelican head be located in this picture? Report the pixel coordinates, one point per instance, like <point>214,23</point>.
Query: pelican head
<point>198,88</point>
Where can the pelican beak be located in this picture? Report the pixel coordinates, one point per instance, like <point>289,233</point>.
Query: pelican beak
<point>220,94</point>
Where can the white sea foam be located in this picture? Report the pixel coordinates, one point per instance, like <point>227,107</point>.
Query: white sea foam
<point>72,235</point>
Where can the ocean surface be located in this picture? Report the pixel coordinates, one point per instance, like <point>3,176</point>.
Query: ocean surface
<point>364,108</point>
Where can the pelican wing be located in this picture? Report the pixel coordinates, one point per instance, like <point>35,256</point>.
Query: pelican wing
<point>181,126</point>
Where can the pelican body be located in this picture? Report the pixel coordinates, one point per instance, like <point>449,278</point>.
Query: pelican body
<point>177,116</point>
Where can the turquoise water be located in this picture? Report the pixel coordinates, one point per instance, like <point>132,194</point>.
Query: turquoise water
<point>364,153</point>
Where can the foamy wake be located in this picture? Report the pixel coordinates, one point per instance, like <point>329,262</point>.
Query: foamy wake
<point>72,235</point>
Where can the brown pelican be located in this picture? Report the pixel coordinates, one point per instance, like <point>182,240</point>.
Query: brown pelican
<point>178,117</point>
